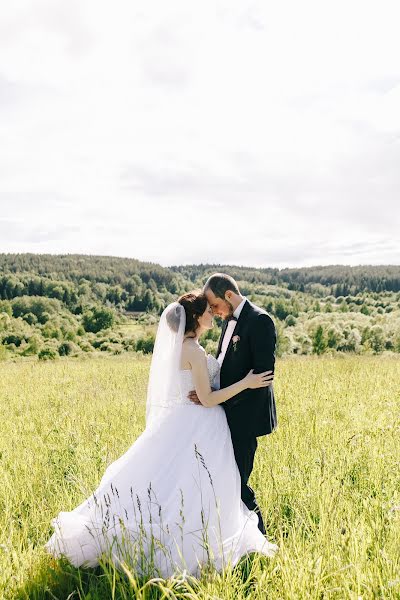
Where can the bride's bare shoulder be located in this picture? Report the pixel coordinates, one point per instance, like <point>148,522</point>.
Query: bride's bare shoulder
<point>191,349</point>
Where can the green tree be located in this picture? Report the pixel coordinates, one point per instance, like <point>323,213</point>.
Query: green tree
<point>365,310</point>
<point>318,340</point>
<point>376,339</point>
<point>148,300</point>
<point>98,318</point>
<point>333,338</point>
<point>281,310</point>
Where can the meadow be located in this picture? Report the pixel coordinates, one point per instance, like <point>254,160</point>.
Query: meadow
<point>327,481</point>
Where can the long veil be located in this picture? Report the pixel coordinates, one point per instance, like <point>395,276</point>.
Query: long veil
<point>163,387</point>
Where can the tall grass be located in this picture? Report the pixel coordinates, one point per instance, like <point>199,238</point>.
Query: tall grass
<point>327,481</point>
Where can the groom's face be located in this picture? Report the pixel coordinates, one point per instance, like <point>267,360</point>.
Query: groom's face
<point>219,306</point>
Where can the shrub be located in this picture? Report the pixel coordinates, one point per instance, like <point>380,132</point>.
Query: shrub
<point>290,321</point>
<point>41,307</point>
<point>5,307</point>
<point>47,354</point>
<point>65,349</point>
<point>33,346</point>
<point>51,330</point>
<point>350,341</point>
<point>282,340</point>
<point>116,348</point>
<point>30,318</point>
<point>396,342</point>
<point>5,320</point>
<point>145,344</point>
<point>85,346</point>
<point>13,338</point>
<point>44,317</point>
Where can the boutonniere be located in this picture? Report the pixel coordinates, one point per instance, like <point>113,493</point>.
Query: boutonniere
<point>235,340</point>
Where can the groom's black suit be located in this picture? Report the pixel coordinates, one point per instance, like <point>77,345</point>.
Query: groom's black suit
<point>251,413</point>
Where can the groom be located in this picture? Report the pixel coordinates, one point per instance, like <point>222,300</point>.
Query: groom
<point>247,341</point>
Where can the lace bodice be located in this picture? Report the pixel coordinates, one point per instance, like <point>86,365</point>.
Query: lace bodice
<point>186,379</point>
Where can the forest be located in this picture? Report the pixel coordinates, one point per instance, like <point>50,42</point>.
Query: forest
<point>58,305</point>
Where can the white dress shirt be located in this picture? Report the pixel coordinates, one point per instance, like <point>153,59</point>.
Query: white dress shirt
<point>229,332</point>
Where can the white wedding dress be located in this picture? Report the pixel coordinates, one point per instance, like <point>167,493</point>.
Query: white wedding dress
<point>171,503</point>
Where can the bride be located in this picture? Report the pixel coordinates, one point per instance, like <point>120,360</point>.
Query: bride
<point>172,502</point>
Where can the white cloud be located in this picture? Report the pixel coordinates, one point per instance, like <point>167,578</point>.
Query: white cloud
<point>241,132</point>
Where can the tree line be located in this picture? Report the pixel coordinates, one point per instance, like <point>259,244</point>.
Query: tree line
<point>56,305</point>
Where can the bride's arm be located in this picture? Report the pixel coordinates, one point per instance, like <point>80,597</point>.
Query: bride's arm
<point>197,359</point>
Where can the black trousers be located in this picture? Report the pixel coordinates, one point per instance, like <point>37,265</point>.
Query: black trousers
<point>245,449</point>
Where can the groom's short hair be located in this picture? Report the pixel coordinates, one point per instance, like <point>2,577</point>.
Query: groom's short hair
<point>219,283</point>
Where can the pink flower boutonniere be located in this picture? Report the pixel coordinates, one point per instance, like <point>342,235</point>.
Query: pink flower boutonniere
<point>235,340</point>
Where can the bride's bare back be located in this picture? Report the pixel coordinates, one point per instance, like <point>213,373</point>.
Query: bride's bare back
<point>191,349</point>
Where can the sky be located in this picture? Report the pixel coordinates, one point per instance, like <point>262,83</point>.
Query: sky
<point>253,133</point>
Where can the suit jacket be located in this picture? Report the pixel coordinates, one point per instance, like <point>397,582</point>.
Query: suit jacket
<point>252,412</point>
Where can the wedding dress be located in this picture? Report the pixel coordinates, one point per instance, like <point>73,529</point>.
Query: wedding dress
<point>172,502</point>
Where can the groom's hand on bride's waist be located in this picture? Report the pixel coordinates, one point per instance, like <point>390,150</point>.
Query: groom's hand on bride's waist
<point>193,397</point>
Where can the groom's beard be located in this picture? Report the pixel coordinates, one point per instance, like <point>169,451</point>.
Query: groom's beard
<point>231,310</point>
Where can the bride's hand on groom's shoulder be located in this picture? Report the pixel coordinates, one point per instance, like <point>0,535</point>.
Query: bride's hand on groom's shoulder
<point>259,380</point>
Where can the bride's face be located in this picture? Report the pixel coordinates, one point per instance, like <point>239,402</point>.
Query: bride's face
<point>206,319</point>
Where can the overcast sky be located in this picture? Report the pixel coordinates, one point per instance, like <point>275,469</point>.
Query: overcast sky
<point>252,133</point>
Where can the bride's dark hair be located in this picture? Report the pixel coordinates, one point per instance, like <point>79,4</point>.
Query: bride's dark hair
<point>194,303</point>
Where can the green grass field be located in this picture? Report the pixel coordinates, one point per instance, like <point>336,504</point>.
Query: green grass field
<point>328,480</point>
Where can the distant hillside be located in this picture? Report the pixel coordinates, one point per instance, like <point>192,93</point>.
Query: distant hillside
<point>77,278</point>
<point>337,280</point>
<point>55,305</point>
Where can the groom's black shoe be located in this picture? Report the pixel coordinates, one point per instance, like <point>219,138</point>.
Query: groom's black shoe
<point>261,526</point>
<point>249,499</point>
